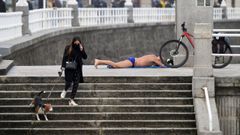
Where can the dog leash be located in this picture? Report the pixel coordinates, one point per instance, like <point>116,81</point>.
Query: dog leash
<point>59,77</point>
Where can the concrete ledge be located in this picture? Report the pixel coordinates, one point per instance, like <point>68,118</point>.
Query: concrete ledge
<point>228,82</point>
<point>227,75</point>
<point>210,133</point>
<point>5,66</point>
<point>102,71</point>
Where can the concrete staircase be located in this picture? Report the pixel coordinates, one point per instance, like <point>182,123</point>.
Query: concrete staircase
<point>107,106</point>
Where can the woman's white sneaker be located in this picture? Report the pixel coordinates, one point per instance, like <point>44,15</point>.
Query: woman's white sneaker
<point>72,103</point>
<point>63,94</point>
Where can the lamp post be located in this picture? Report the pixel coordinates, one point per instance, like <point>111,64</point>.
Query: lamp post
<point>224,9</point>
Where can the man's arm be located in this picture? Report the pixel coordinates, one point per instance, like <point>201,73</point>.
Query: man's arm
<point>157,61</point>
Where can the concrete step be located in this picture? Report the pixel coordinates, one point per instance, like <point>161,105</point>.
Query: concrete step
<point>101,93</point>
<point>103,108</point>
<point>103,116</point>
<point>5,66</point>
<point>100,79</point>
<point>98,86</point>
<point>99,131</point>
<point>107,106</point>
<point>99,123</point>
<point>104,101</point>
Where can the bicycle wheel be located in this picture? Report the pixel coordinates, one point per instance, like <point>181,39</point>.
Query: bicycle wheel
<point>222,61</point>
<point>173,54</point>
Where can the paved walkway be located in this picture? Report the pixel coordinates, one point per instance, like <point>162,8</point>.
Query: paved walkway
<point>89,70</point>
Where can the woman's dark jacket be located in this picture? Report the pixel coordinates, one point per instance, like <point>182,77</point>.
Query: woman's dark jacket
<point>76,55</point>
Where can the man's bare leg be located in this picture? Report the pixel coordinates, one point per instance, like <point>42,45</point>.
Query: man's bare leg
<point>104,62</point>
<point>120,64</point>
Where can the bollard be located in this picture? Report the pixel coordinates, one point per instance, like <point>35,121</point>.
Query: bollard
<point>224,9</point>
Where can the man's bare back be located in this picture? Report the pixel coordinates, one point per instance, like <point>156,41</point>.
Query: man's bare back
<point>147,60</point>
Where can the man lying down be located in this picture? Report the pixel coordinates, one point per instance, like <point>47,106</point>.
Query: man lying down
<point>144,61</point>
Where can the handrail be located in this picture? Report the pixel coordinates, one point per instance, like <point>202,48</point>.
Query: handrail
<point>208,108</point>
<point>226,35</point>
<point>235,46</point>
<point>226,30</point>
<point>220,54</point>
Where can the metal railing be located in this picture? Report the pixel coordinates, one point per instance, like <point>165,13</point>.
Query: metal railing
<point>217,14</point>
<point>233,13</point>
<point>102,16</point>
<point>210,121</point>
<point>10,25</point>
<point>42,19</point>
<point>225,33</point>
<point>146,15</point>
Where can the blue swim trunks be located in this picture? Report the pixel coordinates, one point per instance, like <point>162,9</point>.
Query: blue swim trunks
<point>132,60</point>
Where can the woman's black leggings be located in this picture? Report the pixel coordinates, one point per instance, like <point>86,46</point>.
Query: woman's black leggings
<point>75,82</point>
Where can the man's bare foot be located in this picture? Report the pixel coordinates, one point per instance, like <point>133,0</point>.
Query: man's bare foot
<point>96,63</point>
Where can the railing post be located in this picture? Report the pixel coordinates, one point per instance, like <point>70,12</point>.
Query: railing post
<point>74,5</point>
<point>22,6</point>
<point>129,6</point>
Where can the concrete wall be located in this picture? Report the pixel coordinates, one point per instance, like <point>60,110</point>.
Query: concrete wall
<point>228,104</point>
<point>111,42</point>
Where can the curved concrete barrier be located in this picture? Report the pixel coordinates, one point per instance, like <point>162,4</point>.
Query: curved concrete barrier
<point>107,42</point>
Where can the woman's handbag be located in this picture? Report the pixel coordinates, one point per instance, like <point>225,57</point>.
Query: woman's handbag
<point>71,64</point>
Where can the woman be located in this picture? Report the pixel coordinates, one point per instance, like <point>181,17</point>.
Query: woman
<point>146,60</point>
<point>73,52</point>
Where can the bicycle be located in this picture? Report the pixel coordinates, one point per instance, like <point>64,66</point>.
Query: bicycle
<point>174,53</point>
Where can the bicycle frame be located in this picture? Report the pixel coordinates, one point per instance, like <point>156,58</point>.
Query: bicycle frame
<point>189,37</point>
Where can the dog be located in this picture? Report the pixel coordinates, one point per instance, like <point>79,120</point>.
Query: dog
<point>40,107</point>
